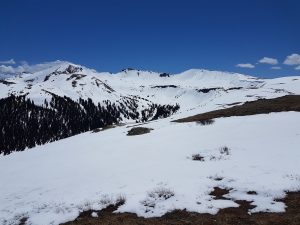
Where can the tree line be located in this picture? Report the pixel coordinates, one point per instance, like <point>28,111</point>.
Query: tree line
<point>24,124</point>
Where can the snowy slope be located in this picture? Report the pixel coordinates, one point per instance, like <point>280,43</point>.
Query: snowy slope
<point>51,184</point>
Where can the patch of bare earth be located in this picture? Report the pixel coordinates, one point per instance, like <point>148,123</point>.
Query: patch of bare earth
<point>261,106</point>
<point>228,216</point>
<point>138,131</point>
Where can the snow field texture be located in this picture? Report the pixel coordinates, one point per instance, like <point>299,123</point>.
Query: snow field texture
<point>154,172</point>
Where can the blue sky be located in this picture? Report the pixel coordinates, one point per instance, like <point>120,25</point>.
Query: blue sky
<point>159,35</point>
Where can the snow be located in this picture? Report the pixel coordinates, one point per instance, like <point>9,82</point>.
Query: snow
<point>53,183</point>
<point>94,214</point>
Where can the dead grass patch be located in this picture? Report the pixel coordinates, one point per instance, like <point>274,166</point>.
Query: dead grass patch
<point>229,216</point>
<point>138,131</point>
<point>260,106</point>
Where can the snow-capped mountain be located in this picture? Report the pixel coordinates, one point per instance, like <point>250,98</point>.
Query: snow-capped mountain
<point>75,81</point>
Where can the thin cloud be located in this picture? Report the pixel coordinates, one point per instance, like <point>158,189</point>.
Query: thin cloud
<point>276,68</point>
<point>25,67</point>
<point>245,65</point>
<point>297,68</point>
<point>293,59</point>
<point>6,69</point>
<point>8,62</point>
<point>267,60</point>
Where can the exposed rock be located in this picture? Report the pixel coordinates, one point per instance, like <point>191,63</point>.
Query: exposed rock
<point>73,69</point>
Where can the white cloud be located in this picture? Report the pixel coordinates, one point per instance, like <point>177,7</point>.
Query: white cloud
<point>268,60</point>
<point>25,67</point>
<point>293,59</point>
<point>245,65</point>
<point>38,67</point>
<point>11,70</point>
<point>297,68</point>
<point>8,62</point>
<point>6,69</point>
<point>276,68</point>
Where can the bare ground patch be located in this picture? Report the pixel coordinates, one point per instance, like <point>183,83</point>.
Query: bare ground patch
<point>228,216</point>
<point>138,131</point>
<point>261,106</point>
<point>219,193</point>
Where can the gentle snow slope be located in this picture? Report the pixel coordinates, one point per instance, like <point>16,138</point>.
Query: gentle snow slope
<point>52,183</point>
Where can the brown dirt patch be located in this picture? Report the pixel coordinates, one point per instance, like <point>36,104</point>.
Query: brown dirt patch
<point>261,106</point>
<point>138,131</point>
<point>228,216</point>
<point>219,192</point>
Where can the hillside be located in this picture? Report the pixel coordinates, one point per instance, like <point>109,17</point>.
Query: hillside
<point>71,99</point>
<point>67,150</point>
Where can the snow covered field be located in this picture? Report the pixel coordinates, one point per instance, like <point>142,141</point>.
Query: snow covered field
<point>51,184</point>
